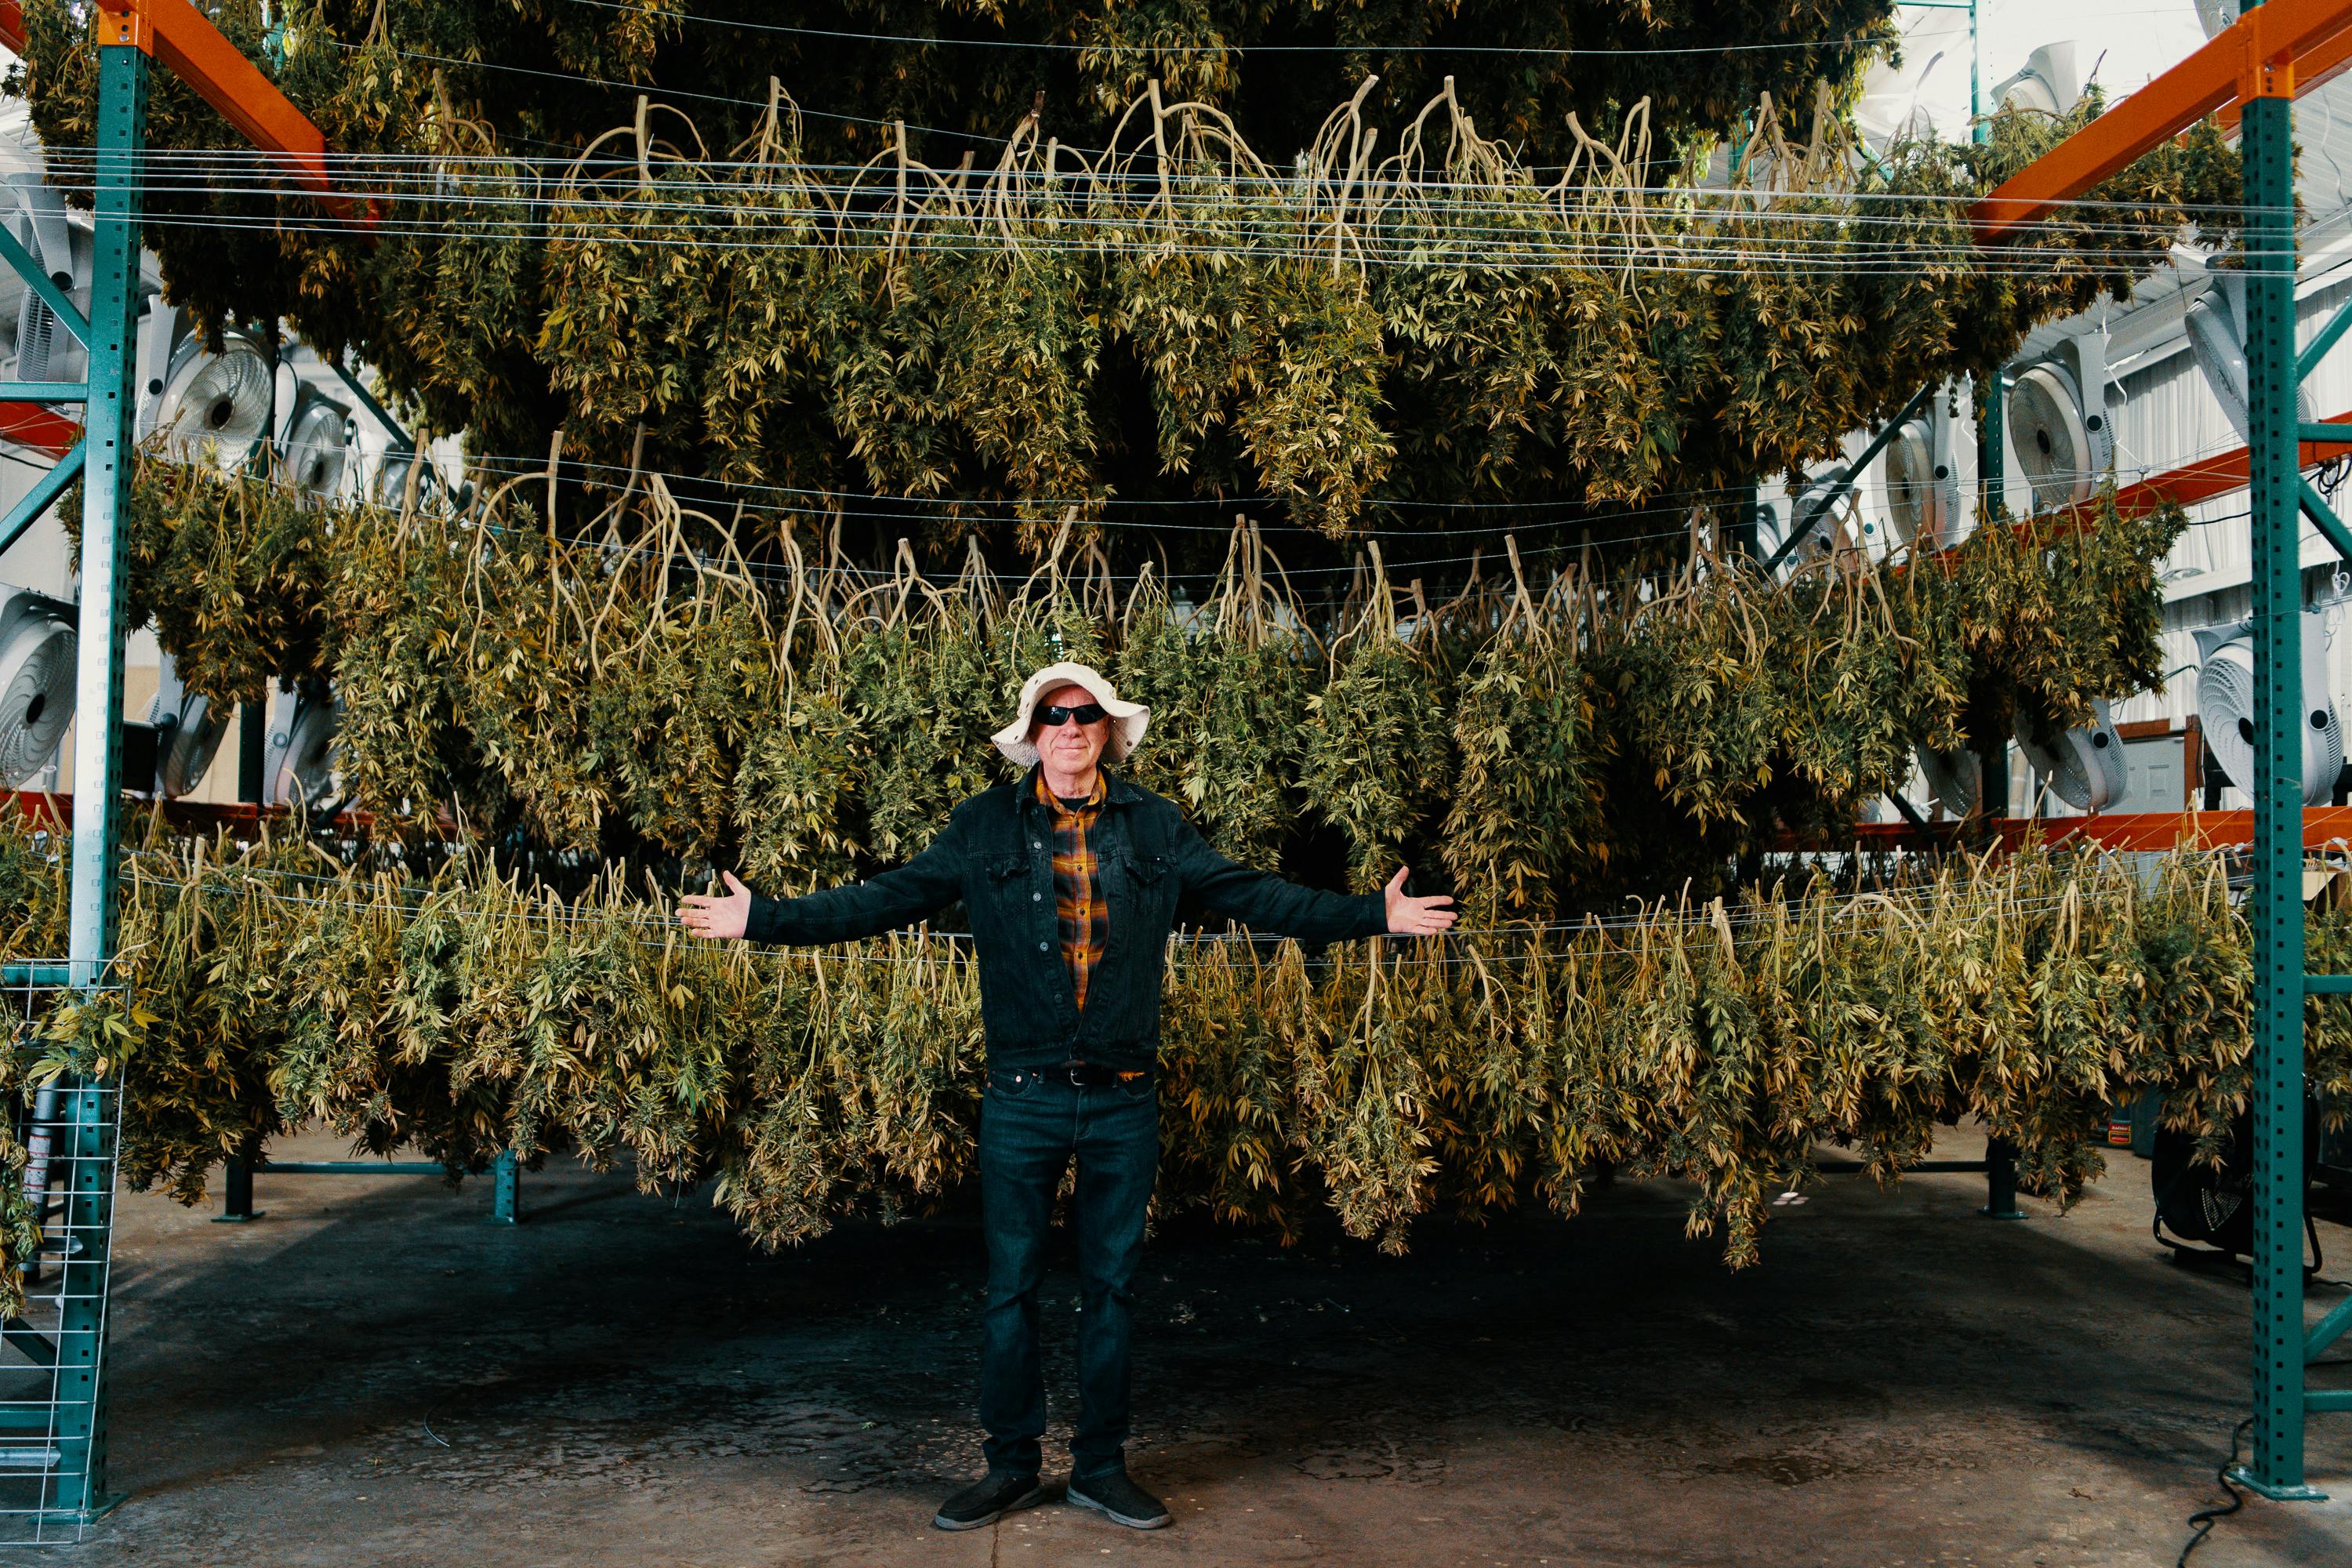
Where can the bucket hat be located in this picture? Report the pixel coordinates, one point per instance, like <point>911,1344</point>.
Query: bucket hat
<point>1128,719</point>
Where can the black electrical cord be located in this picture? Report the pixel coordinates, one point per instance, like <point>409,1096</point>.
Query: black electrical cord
<point>2331,476</point>
<point>2205,1518</point>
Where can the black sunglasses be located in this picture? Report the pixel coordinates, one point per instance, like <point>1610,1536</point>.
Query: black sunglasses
<point>1052,718</point>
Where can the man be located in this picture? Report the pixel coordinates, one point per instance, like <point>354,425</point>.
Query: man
<point>1071,878</point>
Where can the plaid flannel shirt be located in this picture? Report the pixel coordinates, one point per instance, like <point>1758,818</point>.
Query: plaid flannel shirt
<point>1077,889</point>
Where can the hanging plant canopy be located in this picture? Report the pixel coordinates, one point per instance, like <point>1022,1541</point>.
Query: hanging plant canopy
<point>646,690</point>
<point>796,436</point>
<point>466,1012</point>
<point>1525,287</point>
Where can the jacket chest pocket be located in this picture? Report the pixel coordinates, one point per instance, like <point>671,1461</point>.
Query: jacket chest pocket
<point>1153,887</point>
<point>1005,884</point>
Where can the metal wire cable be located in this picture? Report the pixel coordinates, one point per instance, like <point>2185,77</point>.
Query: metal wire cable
<point>1649,261</point>
<point>1871,41</point>
<point>1407,212</point>
<point>951,508</point>
<point>1886,904</point>
<point>1129,170</point>
<point>436,176</point>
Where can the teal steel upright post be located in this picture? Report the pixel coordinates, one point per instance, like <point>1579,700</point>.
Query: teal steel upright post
<point>2276,1469</point>
<point>506,1189</point>
<point>97,697</point>
<point>1988,393</point>
<point>1978,129</point>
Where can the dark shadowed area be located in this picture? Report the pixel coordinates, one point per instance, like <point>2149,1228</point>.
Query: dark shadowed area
<point>371,1374</point>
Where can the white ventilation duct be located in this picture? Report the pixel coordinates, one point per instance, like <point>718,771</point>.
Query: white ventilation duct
<point>2216,320</point>
<point>1955,779</point>
<point>35,214</point>
<point>188,732</point>
<point>216,405</point>
<point>2216,15</point>
<point>302,757</point>
<point>2225,707</point>
<point>158,333</point>
<point>2059,425</point>
<point>2048,83</point>
<point>2085,766</point>
<point>1922,480</point>
<point>38,644</point>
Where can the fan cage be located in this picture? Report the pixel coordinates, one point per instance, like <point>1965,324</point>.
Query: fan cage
<point>217,404</point>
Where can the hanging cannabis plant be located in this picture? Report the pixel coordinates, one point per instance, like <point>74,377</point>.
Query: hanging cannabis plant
<point>1374,760</point>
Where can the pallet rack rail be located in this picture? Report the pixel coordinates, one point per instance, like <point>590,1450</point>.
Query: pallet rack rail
<point>2248,71</point>
<point>2249,68</point>
<point>68,1459</point>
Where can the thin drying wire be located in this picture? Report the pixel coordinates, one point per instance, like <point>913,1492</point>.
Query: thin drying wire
<point>1868,41</point>
<point>233,880</point>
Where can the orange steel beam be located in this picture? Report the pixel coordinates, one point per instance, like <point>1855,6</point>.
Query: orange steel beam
<point>2206,477</point>
<point>38,426</point>
<point>2314,69</point>
<point>2322,826</point>
<point>179,36</point>
<point>243,820</point>
<point>2257,56</point>
<point>185,39</point>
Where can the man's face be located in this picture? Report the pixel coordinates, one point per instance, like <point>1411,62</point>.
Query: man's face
<point>1069,747</point>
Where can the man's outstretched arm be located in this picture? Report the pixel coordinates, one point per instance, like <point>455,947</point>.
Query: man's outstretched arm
<point>1266,902</point>
<point>907,896</point>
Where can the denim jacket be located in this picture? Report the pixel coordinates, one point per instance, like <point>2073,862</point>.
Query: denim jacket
<point>996,855</point>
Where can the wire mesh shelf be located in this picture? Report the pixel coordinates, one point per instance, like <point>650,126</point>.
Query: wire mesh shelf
<point>52,1431</point>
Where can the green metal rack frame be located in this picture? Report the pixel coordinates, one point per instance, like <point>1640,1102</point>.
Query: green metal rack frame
<point>68,1432</point>
<point>130,34</point>
<point>76,1491</point>
<point>236,1181</point>
<point>2276,913</point>
<point>2282,1349</point>
<point>2249,68</point>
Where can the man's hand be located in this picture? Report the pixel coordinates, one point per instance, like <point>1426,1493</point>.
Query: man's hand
<point>724,919</point>
<point>1410,916</point>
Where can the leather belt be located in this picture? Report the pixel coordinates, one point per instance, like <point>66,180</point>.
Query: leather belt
<point>1085,1075</point>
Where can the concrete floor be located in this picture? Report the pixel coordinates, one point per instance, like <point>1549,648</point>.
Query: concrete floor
<point>370,1374</point>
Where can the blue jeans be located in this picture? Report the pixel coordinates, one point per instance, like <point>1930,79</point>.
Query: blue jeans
<point>1030,1127</point>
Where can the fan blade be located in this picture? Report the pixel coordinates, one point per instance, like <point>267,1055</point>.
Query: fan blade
<point>37,646</point>
<point>217,404</point>
<point>316,449</point>
<point>2225,709</point>
<point>2109,769</point>
<point>2046,430</point>
<point>1955,778</point>
<point>2213,338</point>
<point>195,740</point>
<point>304,755</point>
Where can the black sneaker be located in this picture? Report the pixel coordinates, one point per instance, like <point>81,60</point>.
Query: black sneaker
<point>1114,1494</point>
<point>988,1500</point>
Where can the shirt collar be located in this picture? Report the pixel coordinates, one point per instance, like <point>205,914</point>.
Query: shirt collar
<point>1054,802</point>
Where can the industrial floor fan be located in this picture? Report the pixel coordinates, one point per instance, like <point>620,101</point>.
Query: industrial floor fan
<point>2214,1209</point>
